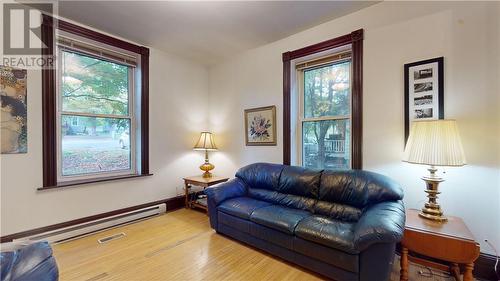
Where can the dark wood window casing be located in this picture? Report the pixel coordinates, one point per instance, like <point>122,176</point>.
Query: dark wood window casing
<point>49,99</point>
<point>355,39</point>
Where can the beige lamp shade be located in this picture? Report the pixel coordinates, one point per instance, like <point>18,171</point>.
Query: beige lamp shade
<point>206,142</point>
<point>436,143</point>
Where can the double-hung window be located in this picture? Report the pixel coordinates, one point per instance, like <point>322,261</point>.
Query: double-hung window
<point>322,103</point>
<point>96,116</point>
<point>324,91</point>
<point>95,107</point>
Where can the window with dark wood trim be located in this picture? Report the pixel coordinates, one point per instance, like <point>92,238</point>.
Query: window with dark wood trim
<point>131,62</point>
<point>355,41</point>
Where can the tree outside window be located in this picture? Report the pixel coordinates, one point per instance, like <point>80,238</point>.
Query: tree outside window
<point>95,115</point>
<point>326,134</point>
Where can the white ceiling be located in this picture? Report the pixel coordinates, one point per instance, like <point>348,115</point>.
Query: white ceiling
<point>205,31</point>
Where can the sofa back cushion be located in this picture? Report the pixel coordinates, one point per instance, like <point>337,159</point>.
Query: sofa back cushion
<point>358,188</point>
<point>300,181</point>
<point>342,195</point>
<point>338,211</point>
<point>261,175</point>
<point>294,187</point>
<point>288,200</point>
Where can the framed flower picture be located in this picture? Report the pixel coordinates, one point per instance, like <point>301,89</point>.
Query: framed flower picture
<point>424,91</point>
<point>260,126</point>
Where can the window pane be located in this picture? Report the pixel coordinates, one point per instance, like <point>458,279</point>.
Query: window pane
<point>94,145</point>
<point>92,85</point>
<point>326,144</point>
<point>327,90</point>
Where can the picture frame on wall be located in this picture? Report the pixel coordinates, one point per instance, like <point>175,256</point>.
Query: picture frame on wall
<point>424,91</point>
<point>260,126</point>
<point>14,110</point>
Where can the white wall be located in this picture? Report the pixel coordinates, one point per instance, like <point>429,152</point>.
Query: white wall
<point>497,55</point>
<point>466,34</point>
<point>178,111</point>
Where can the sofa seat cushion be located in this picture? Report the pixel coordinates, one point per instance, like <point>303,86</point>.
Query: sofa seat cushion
<point>279,217</point>
<point>241,206</point>
<point>327,231</point>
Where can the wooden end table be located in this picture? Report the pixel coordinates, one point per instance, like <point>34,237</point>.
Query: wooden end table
<point>199,181</point>
<point>450,242</point>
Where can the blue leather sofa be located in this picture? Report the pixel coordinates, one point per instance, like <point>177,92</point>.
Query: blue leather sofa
<point>341,224</point>
<point>33,262</point>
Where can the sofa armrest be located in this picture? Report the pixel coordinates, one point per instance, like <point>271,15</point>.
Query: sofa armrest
<point>31,262</point>
<point>380,223</point>
<point>221,192</point>
<point>227,190</point>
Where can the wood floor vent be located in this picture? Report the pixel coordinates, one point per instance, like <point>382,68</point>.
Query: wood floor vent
<point>111,238</point>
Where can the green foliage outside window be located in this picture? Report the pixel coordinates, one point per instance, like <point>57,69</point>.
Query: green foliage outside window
<point>99,141</point>
<point>91,85</point>
<point>327,94</point>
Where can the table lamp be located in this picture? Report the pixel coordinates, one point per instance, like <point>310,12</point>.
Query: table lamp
<point>434,143</point>
<point>206,142</point>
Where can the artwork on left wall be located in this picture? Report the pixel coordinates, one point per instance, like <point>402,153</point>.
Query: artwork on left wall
<point>13,101</point>
<point>424,91</point>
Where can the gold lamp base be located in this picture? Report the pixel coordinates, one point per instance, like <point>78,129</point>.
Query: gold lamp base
<point>432,210</point>
<point>207,167</point>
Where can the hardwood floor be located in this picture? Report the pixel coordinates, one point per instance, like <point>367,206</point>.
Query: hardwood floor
<point>180,246</point>
<point>176,246</point>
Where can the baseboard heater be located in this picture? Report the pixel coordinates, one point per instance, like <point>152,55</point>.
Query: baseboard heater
<point>91,227</point>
